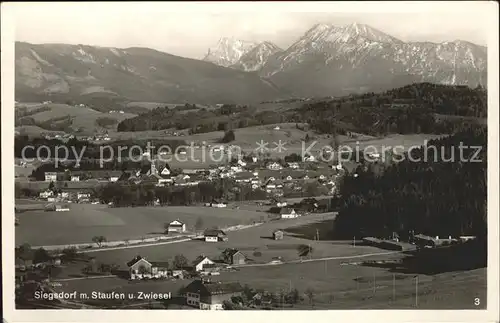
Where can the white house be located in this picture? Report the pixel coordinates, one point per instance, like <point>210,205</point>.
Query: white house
<point>288,213</point>
<point>114,178</point>
<point>202,261</point>
<point>81,196</point>
<point>61,208</point>
<point>293,165</point>
<point>165,171</point>
<point>50,176</point>
<point>254,159</point>
<point>164,181</point>
<point>281,203</point>
<point>274,166</point>
<point>206,295</point>
<point>236,169</point>
<point>277,128</point>
<point>140,268</point>
<point>241,163</point>
<point>270,186</point>
<point>64,195</point>
<point>46,194</point>
<point>75,178</point>
<point>176,226</point>
<point>218,204</point>
<point>214,235</point>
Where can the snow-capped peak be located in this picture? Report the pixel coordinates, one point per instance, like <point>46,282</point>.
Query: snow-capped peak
<point>255,58</point>
<point>228,51</point>
<point>331,33</point>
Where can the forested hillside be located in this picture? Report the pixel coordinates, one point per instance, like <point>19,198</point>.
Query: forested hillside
<point>439,196</point>
<point>417,108</point>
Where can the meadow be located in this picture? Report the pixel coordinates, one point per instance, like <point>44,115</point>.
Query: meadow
<point>334,286</point>
<point>85,221</point>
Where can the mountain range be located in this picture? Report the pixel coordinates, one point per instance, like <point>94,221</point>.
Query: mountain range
<point>328,60</point>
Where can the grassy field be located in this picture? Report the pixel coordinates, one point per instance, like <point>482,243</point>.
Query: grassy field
<point>249,241</point>
<point>334,286</point>
<point>85,221</point>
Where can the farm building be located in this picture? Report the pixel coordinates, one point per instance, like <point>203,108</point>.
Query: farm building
<point>141,268</point>
<point>207,295</point>
<point>176,226</point>
<point>218,204</point>
<point>215,235</point>
<point>201,262</point>
<point>234,257</point>
<point>288,213</point>
<point>75,178</point>
<point>278,235</point>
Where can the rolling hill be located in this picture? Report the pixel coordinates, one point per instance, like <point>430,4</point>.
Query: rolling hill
<point>104,77</point>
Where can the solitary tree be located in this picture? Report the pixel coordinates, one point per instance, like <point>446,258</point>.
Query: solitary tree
<point>304,250</point>
<point>310,295</point>
<point>40,256</point>
<point>180,261</point>
<point>99,240</point>
<point>52,186</point>
<point>293,296</point>
<point>70,253</point>
<point>228,136</point>
<point>198,226</point>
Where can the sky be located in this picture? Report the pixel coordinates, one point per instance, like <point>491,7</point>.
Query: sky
<point>189,29</point>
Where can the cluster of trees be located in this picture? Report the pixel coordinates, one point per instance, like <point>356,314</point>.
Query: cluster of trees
<point>85,149</point>
<point>20,192</point>
<point>228,137</point>
<point>437,196</point>
<point>105,122</point>
<point>144,194</point>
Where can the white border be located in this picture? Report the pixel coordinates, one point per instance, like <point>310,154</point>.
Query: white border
<point>490,10</point>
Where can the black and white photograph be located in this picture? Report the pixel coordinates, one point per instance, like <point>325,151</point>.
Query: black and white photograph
<point>250,156</point>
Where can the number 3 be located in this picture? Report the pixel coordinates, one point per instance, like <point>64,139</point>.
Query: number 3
<point>477,301</point>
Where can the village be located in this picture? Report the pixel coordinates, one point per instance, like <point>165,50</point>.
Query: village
<point>255,230</point>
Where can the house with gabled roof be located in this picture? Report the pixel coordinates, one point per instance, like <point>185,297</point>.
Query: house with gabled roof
<point>176,226</point>
<point>202,261</point>
<point>288,213</point>
<point>214,235</point>
<point>207,295</point>
<point>234,256</point>
<point>140,268</point>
